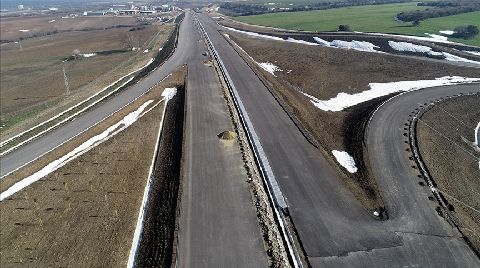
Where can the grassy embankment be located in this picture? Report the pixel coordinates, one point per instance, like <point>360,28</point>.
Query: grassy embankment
<point>372,18</point>
<point>86,211</point>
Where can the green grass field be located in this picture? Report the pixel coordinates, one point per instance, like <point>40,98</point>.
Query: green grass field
<point>373,18</point>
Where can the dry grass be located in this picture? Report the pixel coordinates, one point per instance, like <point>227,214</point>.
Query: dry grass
<point>85,212</point>
<point>40,24</point>
<point>325,72</point>
<point>32,79</point>
<point>456,172</point>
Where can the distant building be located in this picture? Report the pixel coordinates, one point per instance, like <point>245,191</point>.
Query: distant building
<point>53,8</point>
<point>148,11</point>
<point>20,7</point>
<point>94,13</point>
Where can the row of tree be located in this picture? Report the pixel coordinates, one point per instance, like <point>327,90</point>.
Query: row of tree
<point>440,9</point>
<point>241,9</point>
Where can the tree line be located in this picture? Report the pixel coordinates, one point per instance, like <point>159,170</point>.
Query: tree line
<point>242,9</point>
<point>439,9</point>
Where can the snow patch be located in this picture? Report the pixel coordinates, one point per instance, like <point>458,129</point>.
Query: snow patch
<point>146,51</point>
<point>88,55</point>
<point>24,31</point>
<point>169,93</point>
<point>345,160</point>
<point>409,47</point>
<point>451,57</point>
<point>84,147</point>
<point>412,37</point>
<point>50,21</point>
<point>355,45</point>
<point>256,34</point>
<point>405,46</point>
<point>447,32</point>
<point>345,100</point>
<point>160,49</point>
<point>269,67</point>
<point>477,53</point>
<point>437,37</point>
<point>300,42</point>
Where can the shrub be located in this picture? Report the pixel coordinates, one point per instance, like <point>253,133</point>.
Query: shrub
<point>344,28</point>
<point>465,32</point>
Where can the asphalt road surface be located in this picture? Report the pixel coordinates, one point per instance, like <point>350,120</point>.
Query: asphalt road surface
<point>333,227</point>
<point>53,139</point>
<point>218,224</point>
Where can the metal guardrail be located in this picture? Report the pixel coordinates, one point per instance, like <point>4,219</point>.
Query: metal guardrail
<point>273,189</point>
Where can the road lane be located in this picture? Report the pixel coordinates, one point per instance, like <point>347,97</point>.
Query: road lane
<point>333,227</point>
<point>218,225</point>
<point>53,139</point>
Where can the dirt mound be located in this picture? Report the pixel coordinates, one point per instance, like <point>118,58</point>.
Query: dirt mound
<point>227,135</point>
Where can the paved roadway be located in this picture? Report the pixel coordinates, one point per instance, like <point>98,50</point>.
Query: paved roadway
<point>40,146</point>
<point>333,227</point>
<point>218,224</point>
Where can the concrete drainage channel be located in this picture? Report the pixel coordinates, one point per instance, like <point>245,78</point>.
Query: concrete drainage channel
<point>271,186</point>
<point>156,238</point>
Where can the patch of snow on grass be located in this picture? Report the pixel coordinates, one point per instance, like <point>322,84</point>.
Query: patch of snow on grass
<point>437,37</point>
<point>477,53</point>
<point>345,100</point>
<point>409,47</point>
<point>447,32</point>
<point>269,67</point>
<point>355,45</point>
<point>83,148</point>
<point>404,46</point>
<point>451,57</point>
<point>300,42</point>
<point>345,160</point>
<point>50,21</point>
<point>169,93</point>
<point>88,55</point>
<point>412,37</point>
<point>256,34</point>
<point>24,31</point>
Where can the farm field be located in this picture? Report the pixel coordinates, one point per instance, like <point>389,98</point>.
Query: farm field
<point>32,80</point>
<point>335,71</point>
<point>456,172</point>
<point>86,211</point>
<point>373,18</point>
<point>41,25</point>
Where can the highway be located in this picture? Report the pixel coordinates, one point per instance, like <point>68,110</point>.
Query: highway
<point>333,227</point>
<point>217,220</point>
<point>218,224</point>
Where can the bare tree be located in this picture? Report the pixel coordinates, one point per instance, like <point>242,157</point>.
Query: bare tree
<point>76,53</point>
